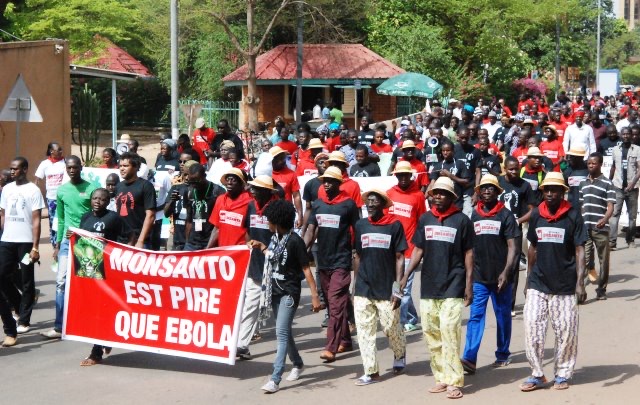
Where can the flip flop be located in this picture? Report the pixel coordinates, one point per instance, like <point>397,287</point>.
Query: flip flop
<point>532,383</point>
<point>367,380</point>
<point>90,361</point>
<point>560,383</point>
<point>438,388</point>
<point>501,363</point>
<point>454,392</point>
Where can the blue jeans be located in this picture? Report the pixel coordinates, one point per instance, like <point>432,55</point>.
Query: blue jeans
<point>284,308</point>
<point>475,327</point>
<point>61,279</point>
<point>408,313</point>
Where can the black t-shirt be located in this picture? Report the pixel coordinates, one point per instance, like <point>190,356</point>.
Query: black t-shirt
<point>179,213</point>
<point>534,180</point>
<point>198,212</point>
<point>258,229</point>
<point>368,170</point>
<point>366,137</point>
<point>606,147</point>
<point>500,134</point>
<point>397,153</point>
<point>132,202</point>
<point>334,223</point>
<point>237,142</point>
<point>310,192</point>
<point>287,278</point>
<point>163,164</point>
<point>444,245</point>
<point>377,246</point>
<point>458,169</point>
<point>106,224</point>
<point>489,164</point>
<point>554,271</point>
<point>573,178</point>
<point>470,156</point>
<point>516,196</point>
<point>490,244</point>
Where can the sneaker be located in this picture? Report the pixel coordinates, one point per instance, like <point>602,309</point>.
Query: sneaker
<point>613,247</point>
<point>9,341</point>
<point>399,365</point>
<point>294,374</point>
<point>601,296</point>
<point>243,353</point>
<point>23,328</point>
<point>270,387</point>
<point>513,314</point>
<point>409,327</point>
<point>51,334</point>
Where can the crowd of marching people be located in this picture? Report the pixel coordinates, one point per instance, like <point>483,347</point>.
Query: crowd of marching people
<point>481,192</point>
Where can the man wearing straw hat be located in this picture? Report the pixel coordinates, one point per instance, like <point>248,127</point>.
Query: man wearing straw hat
<point>494,251</point>
<point>287,179</point>
<point>575,174</point>
<point>229,211</point>
<point>378,269</point>
<point>533,173</point>
<point>305,161</point>
<point>352,188</point>
<point>408,207</point>
<point>444,239</point>
<point>555,276</point>
<point>257,226</point>
<point>331,223</point>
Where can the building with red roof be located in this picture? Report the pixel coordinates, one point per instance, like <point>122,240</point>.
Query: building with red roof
<point>329,73</point>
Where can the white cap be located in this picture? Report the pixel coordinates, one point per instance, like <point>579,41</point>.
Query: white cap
<point>200,123</point>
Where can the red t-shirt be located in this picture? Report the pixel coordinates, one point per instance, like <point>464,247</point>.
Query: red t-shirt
<point>302,154</point>
<point>506,110</point>
<point>201,141</point>
<point>408,207</point>
<point>383,148</point>
<point>422,177</point>
<point>560,128</point>
<point>306,168</point>
<point>289,146</point>
<point>553,150</point>
<point>228,216</point>
<point>520,153</point>
<point>543,109</point>
<point>521,104</point>
<point>288,181</point>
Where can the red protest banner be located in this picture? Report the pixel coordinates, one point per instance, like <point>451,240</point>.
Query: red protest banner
<point>179,303</point>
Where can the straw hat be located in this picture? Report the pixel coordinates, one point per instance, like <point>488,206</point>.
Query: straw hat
<point>189,163</point>
<point>276,150</point>
<point>528,121</point>
<point>408,144</point>
<point>200,123</point>
<point>552,128</point>
<point>262,181</point>
<point>235,172</point>
<point>124,138</point>
<point>445,184</point>
<point>534,151</point>
<point>577,151</point>
<point>387,201</point>
<point>315,143</point>
<point>227,144</point>
<point>332,173</point>
<point>337,156</point>
<point>321,155</point>
<point>554,179</point>
<point>403,167</point>
<point>489,179</point>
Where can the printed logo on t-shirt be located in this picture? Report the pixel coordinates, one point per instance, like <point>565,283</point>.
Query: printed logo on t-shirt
<point>487,227</point>
<point>99,226</point>
<point>574,181</point>
<point>328,220</point>
<point>607,161</point>
<point>401,209</point>
<point>440,233</point>
<point>231,218</point>
<point>126,203</point>
<point>54,180</point>
<point>533,183</point>
<point>310,172</point>
<point>547,234</point>
<point>258,222</point>
<point>375,240</point>
<point>551,154</point>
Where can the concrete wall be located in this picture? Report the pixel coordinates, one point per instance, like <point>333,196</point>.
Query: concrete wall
<point>45,71</point>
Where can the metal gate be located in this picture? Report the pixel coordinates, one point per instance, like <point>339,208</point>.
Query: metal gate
<point>213,111</point>
<point>408,105</point>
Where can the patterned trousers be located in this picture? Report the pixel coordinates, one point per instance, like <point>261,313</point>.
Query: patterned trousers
<point>562,311</point>
<point>368,312</point>
<point>442,329</point>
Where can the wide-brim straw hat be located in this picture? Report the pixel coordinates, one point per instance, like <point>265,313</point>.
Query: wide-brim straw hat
<point>577,151</point>
<point>554,179</point>
<point>235,172</point>
<point>534,151</point>
<point>337,156</point>
<point>276,150</point>
<point>408,144</point>
<point>315,143</point>
<point>489,179</point>
<point>332,173</point>
<point>444,184</point>
<point>387,201</point>
<point>403,167</point>
<point>262,181</point>
<point>552,128</point>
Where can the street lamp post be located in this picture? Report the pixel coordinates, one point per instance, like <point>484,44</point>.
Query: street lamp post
<point>174,69</point>
<point>598,50</point>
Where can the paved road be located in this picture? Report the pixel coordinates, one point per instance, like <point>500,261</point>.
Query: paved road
<point>38,370</point>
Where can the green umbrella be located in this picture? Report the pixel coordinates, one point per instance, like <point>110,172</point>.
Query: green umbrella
<point>410,85</point>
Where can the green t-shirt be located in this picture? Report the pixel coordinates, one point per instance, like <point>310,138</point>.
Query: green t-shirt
<point>337,115</point>
<point>74,200</point>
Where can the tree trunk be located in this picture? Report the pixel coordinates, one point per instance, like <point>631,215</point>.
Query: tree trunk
<point>252,92</point>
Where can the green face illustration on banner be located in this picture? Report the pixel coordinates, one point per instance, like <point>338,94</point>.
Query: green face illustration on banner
<point>89,257</point>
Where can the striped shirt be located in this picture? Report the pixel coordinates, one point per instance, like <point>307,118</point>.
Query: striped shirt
<point>595,194</point>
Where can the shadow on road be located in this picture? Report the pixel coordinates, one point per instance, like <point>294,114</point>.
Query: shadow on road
<point>619,373</point>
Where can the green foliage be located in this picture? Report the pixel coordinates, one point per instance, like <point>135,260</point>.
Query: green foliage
<point>631,74</point>
<point>616,51</point>
<point>86,122</point>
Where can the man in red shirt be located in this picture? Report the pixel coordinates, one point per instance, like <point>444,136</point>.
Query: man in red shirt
<point>287,179</point>
<point>558,124</point>
<point>304,159</point>
<point>350,187</point>
<point>408,207</point>
<point>409,155</point>
<point>228,215</point>
<point>552,147</point>
<point>202,138</point>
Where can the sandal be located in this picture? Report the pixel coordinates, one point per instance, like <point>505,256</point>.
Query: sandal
<point>501,363</point>
<point>532,383</point>
<point>468,366</point>
<point>560,383</point>
<point>90,361</point>
<point>454,392</point>
<point>368,379</point>
<point>438,388</point>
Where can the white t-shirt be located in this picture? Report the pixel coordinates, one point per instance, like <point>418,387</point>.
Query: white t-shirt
<point>18,203</point>
<point>162,184</point>
<point>52,174</point>
<point>317,112</point>
<point>218,168</point>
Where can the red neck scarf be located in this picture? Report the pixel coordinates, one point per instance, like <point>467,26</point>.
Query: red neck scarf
<point>441,216</point>
<point>55,160</point>
<point>532,171</point>
<point>492,213</point>
<point>413,187</point>
<point>546,214</point>
<point>230,204</point>
<point>260,209</point>
<point>342,196</point>
<point>385,220</point>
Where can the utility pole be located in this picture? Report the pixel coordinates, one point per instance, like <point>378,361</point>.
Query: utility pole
<point>174,69</point>
<point>299,67</point>
<point>598,50</point>
<point>557,55</point>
